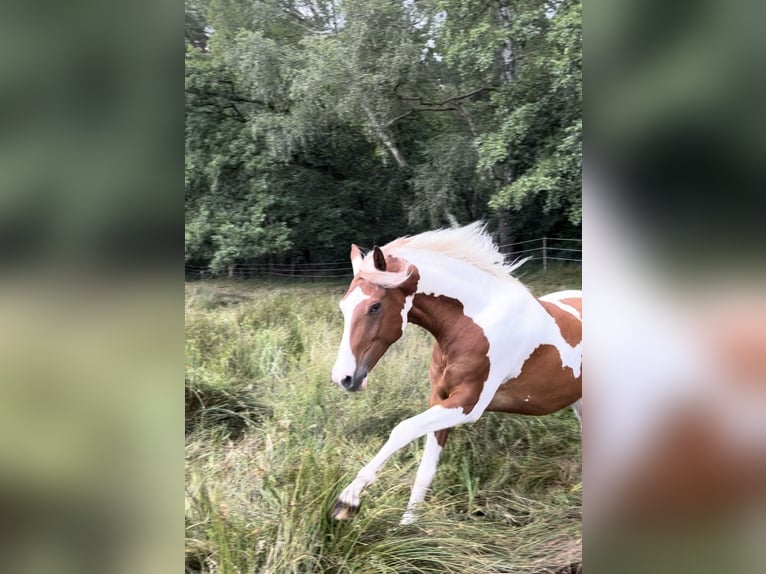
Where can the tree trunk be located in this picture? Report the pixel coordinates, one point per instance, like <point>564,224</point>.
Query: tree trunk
<point>468,120</point>
<point>385,136</point>
<point>507,68</point>
<point>388,141</point>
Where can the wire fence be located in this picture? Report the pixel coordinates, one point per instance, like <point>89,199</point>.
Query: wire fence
<point>543,250</point>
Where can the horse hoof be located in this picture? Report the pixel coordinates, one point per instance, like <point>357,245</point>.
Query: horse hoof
<point>343,511</point>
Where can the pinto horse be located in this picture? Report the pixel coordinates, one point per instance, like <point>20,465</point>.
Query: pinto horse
<point>498,348</point>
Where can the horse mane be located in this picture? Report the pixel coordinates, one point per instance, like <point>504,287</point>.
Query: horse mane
<point>470,243</point>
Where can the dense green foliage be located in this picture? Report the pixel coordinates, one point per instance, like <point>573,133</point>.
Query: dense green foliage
<point>271,442</point>
<point>314,123</point>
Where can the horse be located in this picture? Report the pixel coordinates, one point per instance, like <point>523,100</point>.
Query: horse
<point>497,347</point>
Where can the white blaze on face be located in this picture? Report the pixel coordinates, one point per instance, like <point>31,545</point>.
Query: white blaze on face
<point>345,364</point>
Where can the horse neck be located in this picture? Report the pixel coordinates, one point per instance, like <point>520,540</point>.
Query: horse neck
<point>448,288</point>
<point>436,314</point>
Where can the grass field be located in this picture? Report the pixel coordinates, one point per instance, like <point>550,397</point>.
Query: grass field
<point>270,442</point>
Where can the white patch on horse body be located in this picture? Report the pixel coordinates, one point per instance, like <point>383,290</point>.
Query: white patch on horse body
<point>406,310</point>
<point>558,295</point>
<point>555,298</point>
<point>345,363</point>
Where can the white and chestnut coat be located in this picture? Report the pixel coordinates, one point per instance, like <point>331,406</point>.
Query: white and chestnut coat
<point>497,348</point>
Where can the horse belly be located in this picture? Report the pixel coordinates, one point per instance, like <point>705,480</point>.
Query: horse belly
<point>544,386</point>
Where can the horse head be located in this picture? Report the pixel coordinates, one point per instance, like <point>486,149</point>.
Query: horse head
<point>374,311</point>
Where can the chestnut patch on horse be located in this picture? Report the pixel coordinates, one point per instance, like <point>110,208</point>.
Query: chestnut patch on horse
<point>544,386</point>
<point>569,325</point>
<point>459,361</point>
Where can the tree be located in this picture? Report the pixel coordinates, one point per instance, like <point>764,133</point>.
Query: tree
<point>312,124</point>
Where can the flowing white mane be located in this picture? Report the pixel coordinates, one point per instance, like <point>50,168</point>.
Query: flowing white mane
<point>470,243</point>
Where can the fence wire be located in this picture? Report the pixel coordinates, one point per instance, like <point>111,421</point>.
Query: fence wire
<point>547,251</point>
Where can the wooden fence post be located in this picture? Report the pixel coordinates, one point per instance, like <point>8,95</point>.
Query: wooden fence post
<point>545,254</point>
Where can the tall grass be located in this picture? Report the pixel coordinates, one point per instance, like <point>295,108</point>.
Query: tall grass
<point>271,442</point>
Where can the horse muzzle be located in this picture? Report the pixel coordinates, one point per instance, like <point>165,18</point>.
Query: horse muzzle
<point>357,382</point>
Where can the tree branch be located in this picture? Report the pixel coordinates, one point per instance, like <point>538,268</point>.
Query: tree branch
<point>438,106</point>
<point>230,97</point>
<point>218,112</point>
<point>456,98</point>
<point>407,113</point>
<point>422,102</point>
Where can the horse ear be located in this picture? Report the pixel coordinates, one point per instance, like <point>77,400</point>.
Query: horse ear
<point>356,258</point>
<point>378,259</point>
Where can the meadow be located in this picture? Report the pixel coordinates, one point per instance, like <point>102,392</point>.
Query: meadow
<point>270,442</point>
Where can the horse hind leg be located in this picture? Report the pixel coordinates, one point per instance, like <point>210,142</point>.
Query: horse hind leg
<point>577,408</point>
<point>426,471</point>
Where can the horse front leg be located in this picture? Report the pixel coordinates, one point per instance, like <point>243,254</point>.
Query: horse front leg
<point>434,419</point>
<point>426,471</point>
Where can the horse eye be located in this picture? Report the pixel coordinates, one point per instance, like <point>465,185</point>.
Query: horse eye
<point>374,308</point>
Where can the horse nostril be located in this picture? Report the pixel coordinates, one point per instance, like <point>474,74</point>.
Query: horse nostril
<point>346,382</point>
